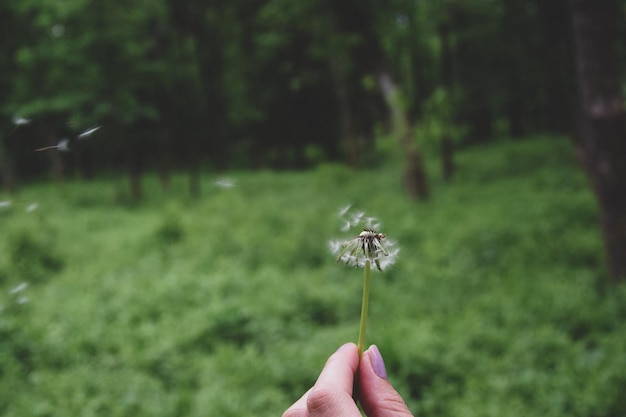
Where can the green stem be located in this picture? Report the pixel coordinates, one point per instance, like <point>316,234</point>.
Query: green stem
<point>364,307</point>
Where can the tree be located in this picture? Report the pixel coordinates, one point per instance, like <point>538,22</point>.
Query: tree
<point>601,138</point>
<point>375,27</point>
<point>9,24</point>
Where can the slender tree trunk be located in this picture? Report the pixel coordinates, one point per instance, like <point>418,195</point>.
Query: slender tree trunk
<point>447,158</point>
<point>84,157</point>
<point>164,174</point>
<point>134,172</point>
<point>601,142</point>
<point>447,146</point>
<point>415,179</point>
<point>194,178</point>
<point>557,54</point>
<point>346,125</point>
<point>164,162</point>
<point>54,155</point>
<point>6,172</point>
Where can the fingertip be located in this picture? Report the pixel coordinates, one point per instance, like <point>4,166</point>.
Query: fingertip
<point>340,368</point>
<point>347,346</point>
<point>375,392</point>
<point>376,361</point>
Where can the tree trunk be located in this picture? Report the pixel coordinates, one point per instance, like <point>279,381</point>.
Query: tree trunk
<point>163,162</point>
<point>134,172</point>
<point>6,172</point>
<point>194,178</point>
<point>601,141</point>
<point>54,155</point>
<point>447,76</point>
<point>447,158</point>
<point>415,179</point>
<point>346,125</point>
<point>557,53</point>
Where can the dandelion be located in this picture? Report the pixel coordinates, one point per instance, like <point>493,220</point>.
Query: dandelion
<point>363,250</point>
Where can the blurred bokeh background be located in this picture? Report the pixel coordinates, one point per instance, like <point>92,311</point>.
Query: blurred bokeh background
<point>172,172</point>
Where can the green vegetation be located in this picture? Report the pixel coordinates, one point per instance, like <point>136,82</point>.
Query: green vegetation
<point>228,305</point>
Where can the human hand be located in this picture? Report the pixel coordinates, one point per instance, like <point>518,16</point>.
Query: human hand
<point>332,395</point>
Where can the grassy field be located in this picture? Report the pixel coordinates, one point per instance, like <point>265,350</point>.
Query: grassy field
<point>228,305</point>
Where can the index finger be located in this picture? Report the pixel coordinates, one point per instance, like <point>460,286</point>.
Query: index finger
<point>338,373</point>
<point>332,393</point>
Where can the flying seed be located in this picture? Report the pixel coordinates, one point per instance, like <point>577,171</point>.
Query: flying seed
<point>88,132</point>
<point>62,146</point>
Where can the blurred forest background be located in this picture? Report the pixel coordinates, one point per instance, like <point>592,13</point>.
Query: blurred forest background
<point>148,146</point>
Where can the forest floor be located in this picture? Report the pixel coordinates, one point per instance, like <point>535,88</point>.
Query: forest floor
<point>229,304</point>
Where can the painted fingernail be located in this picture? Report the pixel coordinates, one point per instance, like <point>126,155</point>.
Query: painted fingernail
<point>376,359</point>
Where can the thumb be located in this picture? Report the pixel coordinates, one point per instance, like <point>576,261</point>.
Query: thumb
<point>376,395</point>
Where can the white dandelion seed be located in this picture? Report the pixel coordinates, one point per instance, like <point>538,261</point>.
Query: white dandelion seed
<point>62,146</point>
<point>31,207</point>
<point>344,210</point>
<point>224,183</point>
<point>57,30</point>
<point>88,132</point>
<point>21,121</point>
<point>21,287</point>
<point>6,204</point>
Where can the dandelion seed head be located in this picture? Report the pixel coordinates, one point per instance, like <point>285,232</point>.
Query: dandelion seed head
<point>367,246</point>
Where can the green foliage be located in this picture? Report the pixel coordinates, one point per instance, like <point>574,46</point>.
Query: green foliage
<point>437,122</point>
<point>171,230</point>
<point>33,255</point>
<point>274,83</point>
<point>228,305</point>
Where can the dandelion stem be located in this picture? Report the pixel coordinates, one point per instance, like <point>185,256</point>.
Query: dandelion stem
<point>364,308</point>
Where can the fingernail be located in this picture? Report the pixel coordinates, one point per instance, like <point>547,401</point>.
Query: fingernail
<point>376,359</point>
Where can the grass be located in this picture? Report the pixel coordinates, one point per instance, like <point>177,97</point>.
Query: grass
<point>229,305</point>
